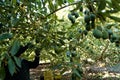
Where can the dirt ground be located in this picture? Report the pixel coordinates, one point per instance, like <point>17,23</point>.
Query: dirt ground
<point>36,73</point>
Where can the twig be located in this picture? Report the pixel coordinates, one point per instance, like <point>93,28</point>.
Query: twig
<point>102,53</point>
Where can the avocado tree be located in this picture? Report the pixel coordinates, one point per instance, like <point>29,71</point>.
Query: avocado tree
<point>89,28</point>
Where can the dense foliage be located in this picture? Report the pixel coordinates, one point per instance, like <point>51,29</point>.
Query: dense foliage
<point>90,29</point>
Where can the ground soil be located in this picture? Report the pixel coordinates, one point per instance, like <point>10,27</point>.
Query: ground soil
<point>37,72</point>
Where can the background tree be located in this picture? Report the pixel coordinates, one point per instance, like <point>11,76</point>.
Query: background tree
<point>87,31</point>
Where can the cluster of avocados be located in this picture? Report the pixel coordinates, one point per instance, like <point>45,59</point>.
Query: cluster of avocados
<point>97,31</point>
<point>105,33</point>
<point>100,32</point>
<point>72,16</point>
<point>115,38</point>
<point>89,20</point>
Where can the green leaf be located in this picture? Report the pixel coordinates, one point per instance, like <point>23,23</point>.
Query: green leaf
<point>118,1</point>
<point>51,5</point>
<point>76,73</point>
<point>70,1</point>
<point>115,5</point>
<point>11,66</point>
<point>2,73</point>
<point>5,36</point>
<point>109,1</point>
<point>13,1</point>
<point>117,19</point>
<point>60,2</point>
<point>17,61</point>
<point>37,0</point>
<point>15,47</point>
<point>103,3</point>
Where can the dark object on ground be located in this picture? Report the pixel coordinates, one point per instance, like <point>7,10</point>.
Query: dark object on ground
<point>22,73</point>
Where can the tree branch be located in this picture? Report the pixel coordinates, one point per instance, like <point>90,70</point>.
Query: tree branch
<point>62,8</point>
